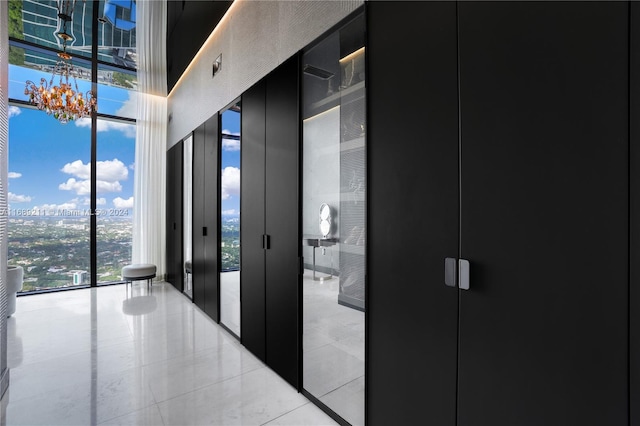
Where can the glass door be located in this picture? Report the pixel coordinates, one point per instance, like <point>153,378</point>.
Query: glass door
<point>230,218</point>
<point>333,221</point>
<point>187,182</point>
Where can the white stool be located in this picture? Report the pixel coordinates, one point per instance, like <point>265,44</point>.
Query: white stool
<point>139,271</point>
<point>15,276</point>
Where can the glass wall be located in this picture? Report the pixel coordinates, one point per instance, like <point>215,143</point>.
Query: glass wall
<point>333,221</point>
<point>187,205</point>
<point>48,215</point>
<point>50,164</point>
<point>230,218</point>
<point>114,198</point>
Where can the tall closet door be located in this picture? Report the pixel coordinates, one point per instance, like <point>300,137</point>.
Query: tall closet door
<point>174,216</point>
<point>544,213</point>
<point>413,212</point>
<point>281,219</point>
<point>252,258</point>
<point>205,217</point>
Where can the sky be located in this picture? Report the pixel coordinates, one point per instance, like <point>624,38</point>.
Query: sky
<point>49,162</point>
<point>230,165</point>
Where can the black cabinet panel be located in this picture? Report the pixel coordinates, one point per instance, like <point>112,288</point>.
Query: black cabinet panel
<point>174,216</point>
<point>413,212</point>
<point>199,256</point>
<point>252,287</point>
<point>544,213</point>
<point>634,279</point>
<point>205,217</point>
<point>282,224</point>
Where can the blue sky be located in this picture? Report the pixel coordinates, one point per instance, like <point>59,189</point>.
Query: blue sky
<point>49,161</point>
<point>230,163</point>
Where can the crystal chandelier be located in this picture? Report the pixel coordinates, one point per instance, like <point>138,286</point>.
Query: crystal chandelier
<point>63,100</point>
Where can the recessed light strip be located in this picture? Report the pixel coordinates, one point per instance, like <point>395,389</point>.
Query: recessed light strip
<point>204,46</point>
<point>352,55</point>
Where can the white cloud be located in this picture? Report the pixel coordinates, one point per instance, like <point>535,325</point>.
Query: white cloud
<point>78,169</point>
<point>101,201</point>
<point>230,145</point>
<point>83,187</point>
<point>14,111</point>
<point>230,182</point>
<point>109,172</point>
<point>231,212</point>
<point>129,130</point>
<point>15,198</point>
<point>112,170</point>
<point>130,107</point>
<point>14,175</point>
<point>121,203</point>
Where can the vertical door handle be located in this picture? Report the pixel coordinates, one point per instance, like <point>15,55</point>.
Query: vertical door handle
<point>463,274</point>
<point>451,272</point>
<point>204,231</point>
<point>266,242</point>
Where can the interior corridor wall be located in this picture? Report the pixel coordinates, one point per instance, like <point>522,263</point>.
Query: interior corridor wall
<point>254,38</point>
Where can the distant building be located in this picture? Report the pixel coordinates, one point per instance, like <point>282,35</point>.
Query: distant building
<point>80,277</point>
<point>116,33</point>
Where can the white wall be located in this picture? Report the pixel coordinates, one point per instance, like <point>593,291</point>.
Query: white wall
<point>254,37</point>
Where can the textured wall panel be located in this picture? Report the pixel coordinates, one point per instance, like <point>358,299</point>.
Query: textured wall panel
<point>254,38</point>
<point>4,142</point>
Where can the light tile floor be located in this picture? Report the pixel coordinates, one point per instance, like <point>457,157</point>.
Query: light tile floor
<point>333,349</point>
<point>102,356</point>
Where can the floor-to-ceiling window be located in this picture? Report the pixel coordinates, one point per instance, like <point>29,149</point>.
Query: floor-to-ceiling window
<point>230,218</point>
<point>71,185</point>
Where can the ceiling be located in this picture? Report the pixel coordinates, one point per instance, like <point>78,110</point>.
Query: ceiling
<point>189,23</point>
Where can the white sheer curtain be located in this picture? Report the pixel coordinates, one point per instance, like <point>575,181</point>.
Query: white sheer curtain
<point>149,182</point>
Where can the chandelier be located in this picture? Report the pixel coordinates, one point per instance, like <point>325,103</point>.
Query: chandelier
<point>64,101</point>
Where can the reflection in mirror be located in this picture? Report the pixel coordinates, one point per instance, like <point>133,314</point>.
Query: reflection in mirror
<point>333,221</point>
<point>230,219</point>
<point>187,179</point>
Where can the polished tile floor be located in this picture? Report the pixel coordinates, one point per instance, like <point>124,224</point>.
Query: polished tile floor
<point>333,349</point>
<point>105,356</point>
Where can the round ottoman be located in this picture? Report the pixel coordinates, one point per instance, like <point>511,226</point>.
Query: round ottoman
<point>139,271</point>
<point>15,276</point>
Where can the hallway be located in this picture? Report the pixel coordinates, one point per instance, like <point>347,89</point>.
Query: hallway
<point>105,356</point>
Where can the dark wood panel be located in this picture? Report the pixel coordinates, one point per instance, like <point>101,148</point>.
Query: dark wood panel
<point>634,291</point>
<point>211,217</point>
<point>252,256</point>
<point>544,213</point>
<point>412,144</point>
<point>199,258</point>
<point>282,224</point>
<point>174,238</point>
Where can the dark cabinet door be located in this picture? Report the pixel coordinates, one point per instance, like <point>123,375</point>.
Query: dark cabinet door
<point>544,213</point>
<point>270,231</point>
<point>252,287</point>
<point>413,212</point>
<point>205,217</point>
<point>174,216</point>
<point>281,219</point>
<point>211,217</point>
<point>199,257</point>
